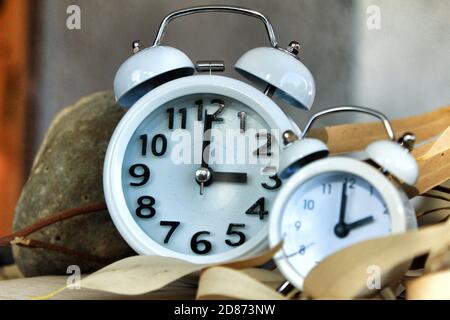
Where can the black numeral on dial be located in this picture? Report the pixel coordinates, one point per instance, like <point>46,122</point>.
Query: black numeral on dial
<point>232,232</point>
<point>159,145</point>
<point>144,142</point>
<point>139,171</point>
<point>258,209</point>
<point>220,110</point>
<point>266,149</point>
<point>171,113</point>
<point>199,104</point>
<point>171,116</point>
<point>161,150</point>
<point>200,246</point>
<point>173,226</point>
<point>145,209</point>
<point>277,183</point>
<point>350,182</point>
<point>183,112</point>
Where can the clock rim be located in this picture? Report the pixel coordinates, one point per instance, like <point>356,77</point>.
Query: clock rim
<point>396,201</point>
<point>112,177</point>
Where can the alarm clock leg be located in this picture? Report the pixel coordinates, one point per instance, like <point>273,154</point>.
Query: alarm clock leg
<point>285,288</point>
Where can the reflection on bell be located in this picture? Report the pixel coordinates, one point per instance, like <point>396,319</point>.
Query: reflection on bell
<point>281,73</point>
<point>395,159</point>
<point>299,153</point>
<point>147,69</point>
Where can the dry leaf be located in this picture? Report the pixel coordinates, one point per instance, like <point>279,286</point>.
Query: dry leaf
<point>344,274</point>
<point>431,287</point>
<point>433,217</point>
<point>270,278</point>
<point>356,136</point>
<point>139,274</point>
<point>225,283</point>
<point>433,159</point>
<point>441,145</point>
<point>254,261</point>
<point>438,259</point>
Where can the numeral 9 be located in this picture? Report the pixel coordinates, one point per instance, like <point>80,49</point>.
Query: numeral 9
<point>143,173</point>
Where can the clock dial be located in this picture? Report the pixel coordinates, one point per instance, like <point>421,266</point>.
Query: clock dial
<point>327,213</point>
<point>194,205</point>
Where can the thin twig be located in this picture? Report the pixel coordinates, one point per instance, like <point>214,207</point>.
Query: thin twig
<point>31,243</point>
<point>19,238</point>
<point>54,218</point>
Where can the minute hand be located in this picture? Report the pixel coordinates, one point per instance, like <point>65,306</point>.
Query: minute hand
<point>209,119</point>
<point>343,204</point>
<point>206,139</point>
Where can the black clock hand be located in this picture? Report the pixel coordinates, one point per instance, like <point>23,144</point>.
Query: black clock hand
<point>360,223</point>
<point>343,204</point>
<point>341,229</point>
<point>207,126</point>
<point>203,175</point>
<point>209,119</point>
<point>232,177</point>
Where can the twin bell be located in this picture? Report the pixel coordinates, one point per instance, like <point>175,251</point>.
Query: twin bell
<point>275,70</point>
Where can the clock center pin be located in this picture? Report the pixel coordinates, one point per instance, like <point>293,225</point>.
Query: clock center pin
<point>202,175</point>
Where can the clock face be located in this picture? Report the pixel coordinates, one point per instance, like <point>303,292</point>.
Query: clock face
<point>327,213</point>
<point>200,206</point>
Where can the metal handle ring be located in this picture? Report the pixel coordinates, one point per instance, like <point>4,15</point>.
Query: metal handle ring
<point>230,9</point>
<point>377,114</point>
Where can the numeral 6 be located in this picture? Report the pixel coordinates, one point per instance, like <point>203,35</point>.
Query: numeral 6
<point>196,243</point>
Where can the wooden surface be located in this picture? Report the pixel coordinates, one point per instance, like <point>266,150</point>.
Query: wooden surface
<point>29,288</point>
<point>13,91</point>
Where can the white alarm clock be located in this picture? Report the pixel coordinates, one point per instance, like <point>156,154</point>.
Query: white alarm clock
<point>330,203</point>
<point>165,189</point>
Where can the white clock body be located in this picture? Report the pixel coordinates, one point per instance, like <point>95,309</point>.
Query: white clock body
<point>163,212</point>
<point>307,211</point>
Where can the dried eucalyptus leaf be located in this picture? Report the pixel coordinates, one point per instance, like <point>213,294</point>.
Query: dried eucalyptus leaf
<point>433,218</point>
<point>356,136</point>
<point>142,274</point>
<point>226,283</point>
<point>254,261</point>
<point>442,143</point>
<point>438,259</point>
<point>139,274</point>
<point>272,279</point>
<point>346,274</point>
<point>434,171</point>
<point>431,287</point>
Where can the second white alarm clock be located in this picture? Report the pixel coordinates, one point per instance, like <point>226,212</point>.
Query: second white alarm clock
<point>329,203</point>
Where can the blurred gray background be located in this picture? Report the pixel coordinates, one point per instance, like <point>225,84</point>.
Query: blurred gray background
<point>402,69</point>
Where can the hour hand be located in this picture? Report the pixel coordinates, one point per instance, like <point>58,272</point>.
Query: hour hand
<point>231,177</point>
<point>360,223</point>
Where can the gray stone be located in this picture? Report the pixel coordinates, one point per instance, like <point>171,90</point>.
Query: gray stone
<point>67,173</point>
